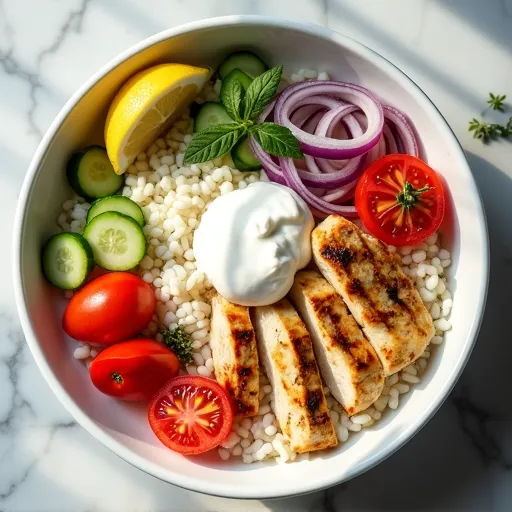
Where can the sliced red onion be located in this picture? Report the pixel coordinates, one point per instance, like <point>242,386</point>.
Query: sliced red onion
<point>347,170</point>
<point>271,168</point>
<point>338,131</point>
<point>403,129</point>
<point>328,121</point>
<point>320,110</point>
<point>276,178</point>
<point>325,147</point>
<point>293,181</point>
<point>311,124</point>
<point>268,110</point>
<point>332,117</point>
<point>319,192</point>
<point>314,177</point>
<point>342,194</point>
<point>342,175</point>
<point>361,119</point>
<point>391,146</point>
<point>319,123</point>
<point>324,175</point>
<point>302,114</point>
<point>335,179</point>
<point>376,152</point>
<point>312,165</point>
<point>382,147</point>
<point>320,100</point>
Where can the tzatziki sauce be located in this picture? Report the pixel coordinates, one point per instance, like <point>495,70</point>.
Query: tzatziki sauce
<point>251,242</point>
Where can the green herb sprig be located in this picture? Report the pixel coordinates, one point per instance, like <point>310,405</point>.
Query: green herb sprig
<point>489,131</point>
<point>180,343</point>
<point>496,101</point>
<point>245,110</point>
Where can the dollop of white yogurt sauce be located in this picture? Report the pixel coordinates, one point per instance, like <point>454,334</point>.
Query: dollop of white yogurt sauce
<point>251,242</point>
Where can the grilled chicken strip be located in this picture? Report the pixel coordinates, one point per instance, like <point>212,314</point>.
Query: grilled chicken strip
<point>348,363</point>
<point>379,295</point>
<point>286,352</point>
<point>235,354</point>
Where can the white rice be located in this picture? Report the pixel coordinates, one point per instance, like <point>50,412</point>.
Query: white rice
<point>173,198</point>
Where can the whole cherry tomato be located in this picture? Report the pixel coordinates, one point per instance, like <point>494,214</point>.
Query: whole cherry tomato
<point>134,369</point>
<point>111,308</point>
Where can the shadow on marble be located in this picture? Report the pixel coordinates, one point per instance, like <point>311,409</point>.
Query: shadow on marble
<point>137,17</point>
<point>339,11</point>
<point>493,18</point>
<point>489,367</point>
<point>133,15</point>
<point>434,467</point>
<point>483,394</point>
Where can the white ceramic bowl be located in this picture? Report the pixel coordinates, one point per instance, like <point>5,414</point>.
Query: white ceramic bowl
<point>122,427</point>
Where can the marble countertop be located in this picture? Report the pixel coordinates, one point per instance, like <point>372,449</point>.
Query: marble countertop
<point>457,51</point>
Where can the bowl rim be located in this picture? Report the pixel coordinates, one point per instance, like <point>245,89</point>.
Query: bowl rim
<point>227,490</point>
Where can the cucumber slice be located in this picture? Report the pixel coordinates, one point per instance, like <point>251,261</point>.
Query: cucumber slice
<point>246,61</point>
<point>209,114</point>
<point>243,157</point>
<point>237,74</point>
<point>117,241</point>
<point>91,174</point>
<point>67,260</point>
<point>118,204</point>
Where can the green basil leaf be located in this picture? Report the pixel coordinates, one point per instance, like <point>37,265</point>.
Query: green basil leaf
<point>277,140</point>
<point>231,97</point>
<point>260,93</point>
<point>213,142</point>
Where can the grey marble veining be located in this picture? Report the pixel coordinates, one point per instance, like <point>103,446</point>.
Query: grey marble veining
<point>457,51</point>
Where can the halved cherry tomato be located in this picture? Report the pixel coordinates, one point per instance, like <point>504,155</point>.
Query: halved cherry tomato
<point>133,370</point>
<point>111,308</point>
<point>400,199</point>
<point>191,414</point>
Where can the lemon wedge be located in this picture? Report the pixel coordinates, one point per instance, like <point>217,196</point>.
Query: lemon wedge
<point>147,104</point>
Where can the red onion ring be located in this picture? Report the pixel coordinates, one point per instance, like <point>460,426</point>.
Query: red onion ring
<point>294,182</point>
<point>328,122</point>
<point>343,194</point>
<point>271,168</point>
<point>314,177</point>
<point>325,147</point>
<point>403,130</point>
<point>310,125</point>
<point>348,170</point>
<point>376,152</point>
<point>391,146</point>
<point>325,182</point>
<point>302,114</point>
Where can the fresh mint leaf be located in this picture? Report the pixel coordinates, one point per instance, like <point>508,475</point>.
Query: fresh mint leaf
<point>231,96</point>
<point>213,142</point>
<point>260,93</point>
<point>277,140</point>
